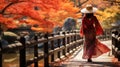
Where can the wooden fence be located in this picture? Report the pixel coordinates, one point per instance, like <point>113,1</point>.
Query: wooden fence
<point>116,47</point>
<point>67,43</point>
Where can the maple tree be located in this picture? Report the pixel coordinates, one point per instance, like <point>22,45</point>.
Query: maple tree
<point>108,16</point>
<point>45,13</point>
<point>108,11</point>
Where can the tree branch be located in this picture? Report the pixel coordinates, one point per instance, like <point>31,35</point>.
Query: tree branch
<point>83,2</point>
<point>79,4</point>
<point>3,10</point>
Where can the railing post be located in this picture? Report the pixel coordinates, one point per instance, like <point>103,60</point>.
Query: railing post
<point>36,51</point>
<point>118,52</point>
<point>46,54</point>
<point>58,46</point>
<point>52,47</point>
<point>0,53</point>
<point>113,44</point>
<point>1,34</point>
<point>75,40</point>
<point>68,41</point>
<point>72,39</point>
<point>64,44</point>
<point>23,52</point>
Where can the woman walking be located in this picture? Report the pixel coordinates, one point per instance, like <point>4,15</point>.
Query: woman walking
<point>89,30</point>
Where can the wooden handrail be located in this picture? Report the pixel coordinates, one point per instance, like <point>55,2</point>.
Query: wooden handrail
<point>66,43</point>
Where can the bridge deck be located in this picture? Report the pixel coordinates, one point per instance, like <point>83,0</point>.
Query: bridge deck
<point>105,60</point>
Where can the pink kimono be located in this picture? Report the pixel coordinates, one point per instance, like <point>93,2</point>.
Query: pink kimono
<point>92,47</point>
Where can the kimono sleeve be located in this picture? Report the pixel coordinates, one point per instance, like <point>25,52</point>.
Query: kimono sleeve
<point>98,27</point>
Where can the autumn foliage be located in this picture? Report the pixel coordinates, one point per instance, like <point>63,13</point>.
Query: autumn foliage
<point>7,22</point>
<point>108,16</point>
<point>46,14</point>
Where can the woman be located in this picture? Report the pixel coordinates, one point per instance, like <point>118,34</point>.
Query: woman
<point>90,29</point>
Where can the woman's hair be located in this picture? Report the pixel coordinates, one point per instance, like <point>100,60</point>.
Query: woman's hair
<point>89,15</point>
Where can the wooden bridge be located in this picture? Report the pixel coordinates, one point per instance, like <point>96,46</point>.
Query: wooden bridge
<point>48,50</point>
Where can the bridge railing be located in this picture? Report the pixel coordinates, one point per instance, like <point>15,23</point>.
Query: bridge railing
<point>116,47</point>
<point>54,47</point>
